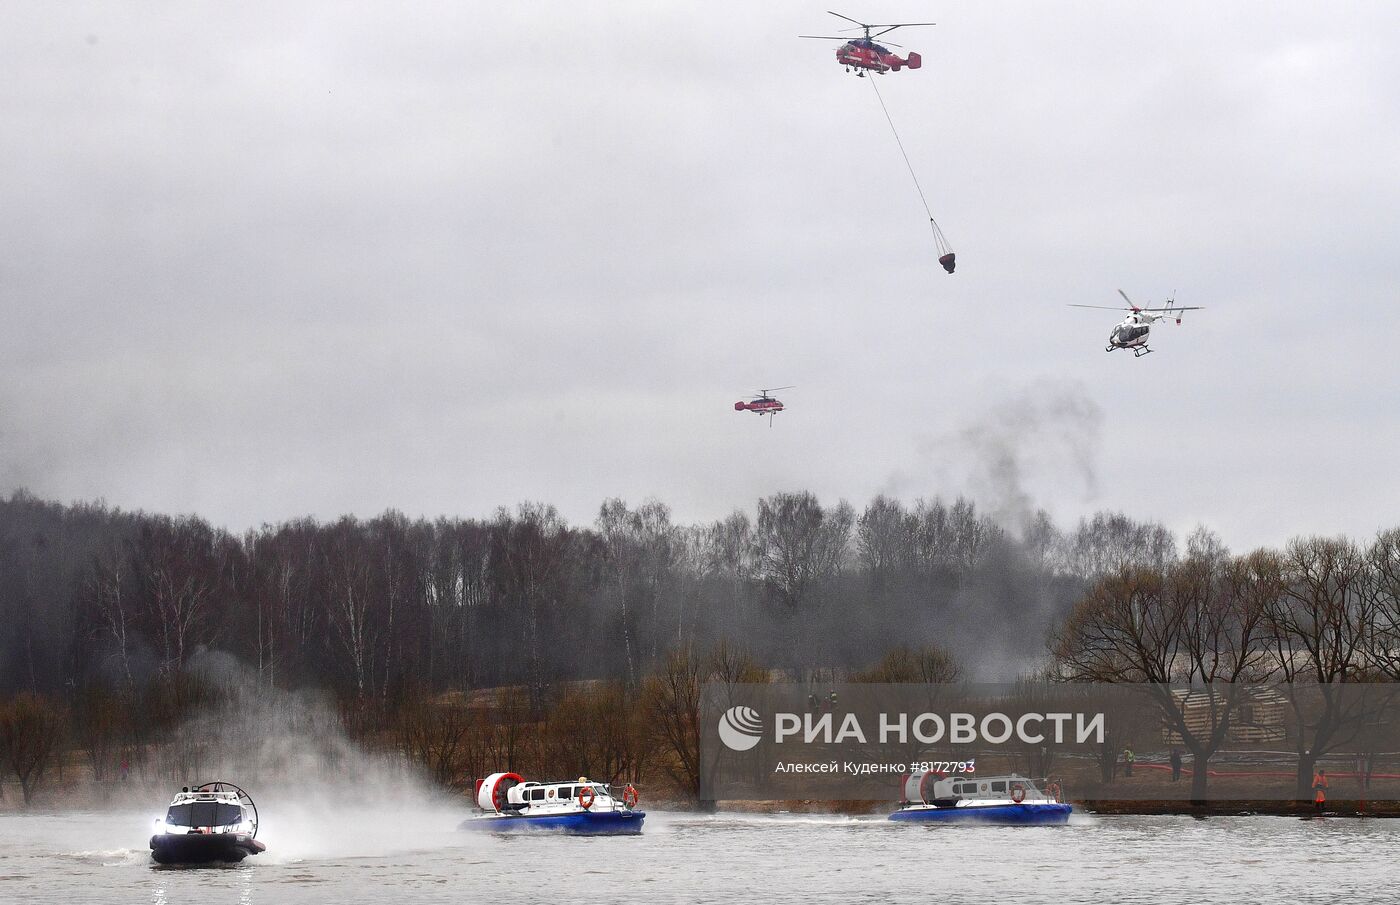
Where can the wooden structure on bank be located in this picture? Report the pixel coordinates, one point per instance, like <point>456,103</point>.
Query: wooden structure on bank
<point>1259,719</point>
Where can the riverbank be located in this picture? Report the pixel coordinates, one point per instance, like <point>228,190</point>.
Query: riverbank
<point>1244,808</point>
<point>1239,808</point>
<point>84,794</point>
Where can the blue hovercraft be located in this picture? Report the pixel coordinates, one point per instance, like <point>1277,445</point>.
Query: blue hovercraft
<point>934,798</point>
<point>579,807</point>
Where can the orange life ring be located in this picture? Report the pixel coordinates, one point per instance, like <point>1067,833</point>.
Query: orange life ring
<point>1018,792</point>
<point>585,803</point>
<point>630,796</point>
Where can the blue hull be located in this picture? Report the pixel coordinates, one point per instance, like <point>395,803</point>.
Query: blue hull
<point>998,813</point>
<point>586,823</point>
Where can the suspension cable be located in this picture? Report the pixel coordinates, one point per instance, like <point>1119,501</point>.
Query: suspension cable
<point>938,236</point>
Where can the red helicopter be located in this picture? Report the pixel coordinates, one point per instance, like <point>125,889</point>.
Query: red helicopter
<point>764,403</point>
<point>860,54</point>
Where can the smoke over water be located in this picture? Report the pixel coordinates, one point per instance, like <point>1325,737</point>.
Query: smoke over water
<point>319,794</point>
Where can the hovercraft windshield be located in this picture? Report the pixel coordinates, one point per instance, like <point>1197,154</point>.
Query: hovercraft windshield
<point>204,813</point>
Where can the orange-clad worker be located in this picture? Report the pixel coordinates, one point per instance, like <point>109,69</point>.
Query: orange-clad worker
<point>1320,789</point>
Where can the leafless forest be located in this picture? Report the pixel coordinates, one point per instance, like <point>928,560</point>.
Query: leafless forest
<point>443,640</point>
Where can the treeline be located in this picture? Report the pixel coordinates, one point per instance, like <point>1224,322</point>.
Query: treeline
<point>406,623</point>
<point>366,608</point>
<point>109,614</point>
<point>1318,622</point>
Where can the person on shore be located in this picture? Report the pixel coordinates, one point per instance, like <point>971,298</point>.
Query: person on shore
<point>813,705</point>
<point>1176,764</point>
<point>1128,759</point>
<point>1319,790</point>
<point>833,700</point>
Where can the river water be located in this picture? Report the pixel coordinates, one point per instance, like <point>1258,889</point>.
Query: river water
<point>730,858</point>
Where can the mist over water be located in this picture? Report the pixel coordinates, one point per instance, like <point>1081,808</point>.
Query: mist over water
<point>318,793</point>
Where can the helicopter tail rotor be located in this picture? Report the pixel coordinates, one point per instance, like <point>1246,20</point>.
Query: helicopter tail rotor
<point>1171,306</point>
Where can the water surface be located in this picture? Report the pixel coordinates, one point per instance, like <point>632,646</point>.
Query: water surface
<point>331,859</point>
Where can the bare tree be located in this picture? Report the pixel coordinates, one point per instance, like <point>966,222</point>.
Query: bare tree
<point>435,734</point>
<point>31,736</point>
<point>728,557</point>
<point>883,539</point>
<point>1041,541</point>
<point>927,665</point>
<point>350,595</point>
<point>98,724</point>
<point>1111,542</point>
<point>1317,627</point>
<point>531,560</point>
<point>1383,641</point>
<point>596,732</point>
<point>643,551</point>
<point>180,563</point>
<point>800,544</point>
<point>671,701</point>
<point>457,591</point>
<point>1192,624</point>
<point>972,535</point>
<point>108,587</point>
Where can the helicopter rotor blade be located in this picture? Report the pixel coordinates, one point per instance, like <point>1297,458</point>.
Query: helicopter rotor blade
<point>886,29</point>
<point>890,43</point>
<point>825,37</point>
<point>849,19</point>
<point>1102,307</point>
<point>1126,299</point>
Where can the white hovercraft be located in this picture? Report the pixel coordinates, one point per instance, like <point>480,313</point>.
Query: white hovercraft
<point>213,822</point>
<point>935,798</point>
<point>578,807</point>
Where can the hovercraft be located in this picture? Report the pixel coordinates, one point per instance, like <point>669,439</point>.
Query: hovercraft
<point>579,807</point>
<point>215,822</point>
<point>934,798</point>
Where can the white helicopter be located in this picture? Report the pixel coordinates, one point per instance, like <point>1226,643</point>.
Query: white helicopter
<point>1132,332</point>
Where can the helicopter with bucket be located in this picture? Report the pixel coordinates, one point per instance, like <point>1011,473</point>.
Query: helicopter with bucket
<point>1134,329</point>
<point>763,403</point>
<point>862,55</point>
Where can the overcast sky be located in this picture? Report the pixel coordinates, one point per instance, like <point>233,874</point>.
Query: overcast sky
<point>262,260</point>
